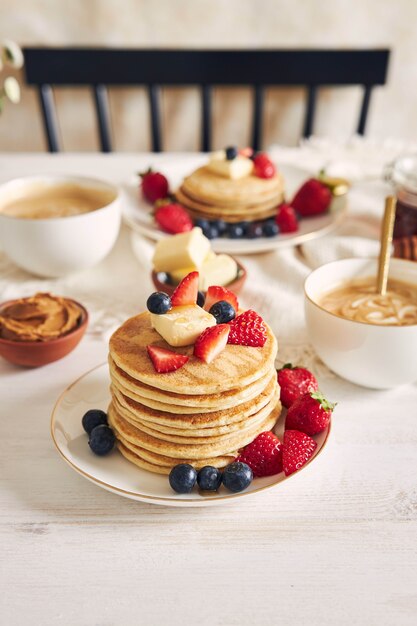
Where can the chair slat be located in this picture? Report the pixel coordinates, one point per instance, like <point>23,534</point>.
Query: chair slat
<point>206,96</point>
<point>46,97</point>
<point>310,111</point>
<point>258,104</point>
<point>364,109</point>
<point>101,102</point>
<point>153,92</point>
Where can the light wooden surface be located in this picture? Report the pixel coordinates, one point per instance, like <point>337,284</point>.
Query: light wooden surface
<point>336,545</point>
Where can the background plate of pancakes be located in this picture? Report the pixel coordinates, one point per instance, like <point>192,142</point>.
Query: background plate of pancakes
<point>113,472</point>
<point>137,212</point>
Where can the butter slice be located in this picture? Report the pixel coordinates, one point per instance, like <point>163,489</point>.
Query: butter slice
<point>186,250</point>
<point>220,270</point>
<point>240,167</point>
<point>182,325</point>
<point>178,275</point>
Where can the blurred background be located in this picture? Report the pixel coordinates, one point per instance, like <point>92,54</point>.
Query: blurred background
<point>214,24</point>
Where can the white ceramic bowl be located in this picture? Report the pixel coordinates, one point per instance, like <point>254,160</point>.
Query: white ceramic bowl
<point>60,245</point>
<point>373,356</point>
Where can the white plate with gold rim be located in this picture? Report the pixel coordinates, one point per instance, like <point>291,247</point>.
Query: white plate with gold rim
<point>138,214</point>
<point>114,472</point>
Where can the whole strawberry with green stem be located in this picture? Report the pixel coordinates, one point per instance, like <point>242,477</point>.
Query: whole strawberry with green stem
<point>309,414</point>
<point>295,382</point>
<point>313,198</point>
<point>154,186</point>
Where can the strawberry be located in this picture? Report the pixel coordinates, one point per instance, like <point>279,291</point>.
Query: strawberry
<point>248,329</point>
<point>216,293</point>
<point>263,455</point>
<point>246,152</point>
<point>173,218</point>
<point>298,448</point>
<point>294,382</point>
<point>310,414</point>
<point>187,291</point>
<point>211,342</point>
<point>286,219</point>
<point>154,186</point>
<point>263,166</point>
<point>313,198</point>
<point>164,360</point>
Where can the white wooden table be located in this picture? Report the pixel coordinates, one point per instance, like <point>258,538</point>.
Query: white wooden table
<point>335,545</point>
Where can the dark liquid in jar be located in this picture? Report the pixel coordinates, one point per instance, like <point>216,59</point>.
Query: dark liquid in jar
<point>405,219</point>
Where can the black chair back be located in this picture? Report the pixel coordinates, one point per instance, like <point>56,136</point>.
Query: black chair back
<point>103,67</point>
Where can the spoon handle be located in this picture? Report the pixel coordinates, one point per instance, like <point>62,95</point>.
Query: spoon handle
<point>386,241</point>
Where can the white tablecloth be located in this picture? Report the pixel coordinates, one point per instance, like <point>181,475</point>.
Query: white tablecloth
<point>335,545</point>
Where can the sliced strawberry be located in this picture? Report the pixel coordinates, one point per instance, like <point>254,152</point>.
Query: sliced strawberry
<point>173,218</point>
<point>246,152</point>
<point>263,455</point>
<point>248,329</point>
<point>187,290</point>
<point>298,449</point>
<point>164,360</point>
<point>216,293</point>
<point>211,342</point>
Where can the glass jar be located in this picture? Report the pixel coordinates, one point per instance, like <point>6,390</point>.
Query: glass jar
<point>402,174</point>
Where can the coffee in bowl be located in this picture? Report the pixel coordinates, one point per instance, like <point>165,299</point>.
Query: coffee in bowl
<point>41,200</point>
<point>359,301</point>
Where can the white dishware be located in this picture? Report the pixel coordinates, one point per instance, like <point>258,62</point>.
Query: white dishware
<point>114,472</point>
<point>370,355</point>
<point>138,214</point>
<point>60,245</point>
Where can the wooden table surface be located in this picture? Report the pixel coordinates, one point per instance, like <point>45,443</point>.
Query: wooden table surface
<point>335,545</point>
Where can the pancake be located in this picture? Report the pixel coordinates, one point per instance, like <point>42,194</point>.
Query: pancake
<point>205,185</point>
<point>222,446</point>
<point>236,217</point>
<point>235,364</point>
<point>189,202</point>
<point>178,402</point>
<point>215,419</point>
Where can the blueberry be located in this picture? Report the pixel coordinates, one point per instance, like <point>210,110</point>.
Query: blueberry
<point>209,478</point>
<point>231,153</point>
<point>236,231</point>
<point>270,228</point>
<point>211,232</point>
<point>223,312</point>
<point>201,298</point>
<point>220,225</point>
<point>254,230</point>
<point>159,303</point>
<point>163,277</point>
<point>93,418</point>
<point>237,476</point>
<point>182,478</point>
<point>203,224</point>
<point>101,440</point>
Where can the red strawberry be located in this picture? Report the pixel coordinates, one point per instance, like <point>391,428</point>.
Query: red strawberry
<point>216,293</point>
<point>286,219</point>
<point>154,186</point>
<point>211,342</point>
<point>297,450</point>
<point>294,382</point>
<point>263,166</point>
<point>187,291</point>
<point>313,198</point>
<point>246,152</point>
<point>263,455</point>
<point>173,218</point>
<point>311,413</point>
<point>248,329</point>
<point>164,360</point>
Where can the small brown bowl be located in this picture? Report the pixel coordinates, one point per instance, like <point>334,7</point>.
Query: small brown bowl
<point>236,285</point>
<point>37,353</point>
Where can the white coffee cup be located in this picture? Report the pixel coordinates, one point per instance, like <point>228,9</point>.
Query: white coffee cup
<point>56,246</point>
<point>370,355</point>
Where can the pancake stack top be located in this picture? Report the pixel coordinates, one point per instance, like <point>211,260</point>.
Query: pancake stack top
<point>202,413</point>
<point>228,189</point>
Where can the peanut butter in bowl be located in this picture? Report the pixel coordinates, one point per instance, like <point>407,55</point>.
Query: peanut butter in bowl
<point>42,317</point>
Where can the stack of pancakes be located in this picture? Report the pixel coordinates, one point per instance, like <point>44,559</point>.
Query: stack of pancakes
<point>208,195</point>
<point>201,414</point>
